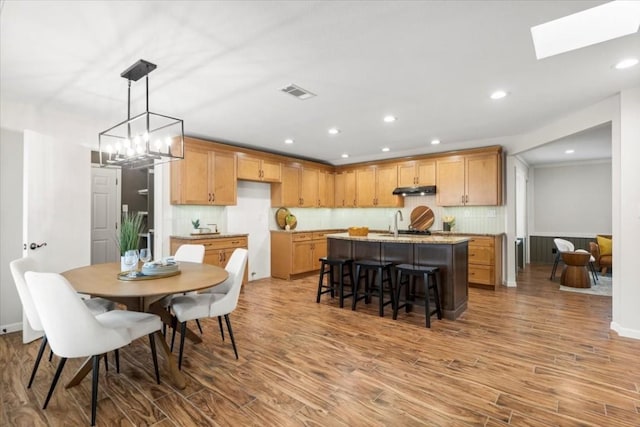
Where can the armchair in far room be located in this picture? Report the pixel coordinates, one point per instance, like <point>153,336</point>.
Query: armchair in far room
<point>601,250</point>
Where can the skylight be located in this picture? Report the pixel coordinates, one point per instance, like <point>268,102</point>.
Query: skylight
<point>596,25</point>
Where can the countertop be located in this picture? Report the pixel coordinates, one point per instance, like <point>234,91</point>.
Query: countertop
<point>314,230</point>
<point>209,236</point>
<point>402,238</point>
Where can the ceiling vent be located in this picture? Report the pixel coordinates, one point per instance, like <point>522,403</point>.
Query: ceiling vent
<point>298,92</point>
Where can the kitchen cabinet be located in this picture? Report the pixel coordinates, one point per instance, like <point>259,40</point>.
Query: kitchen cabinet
<point>204,177</point>
<point>298,188</point>
<point>326,189</point>
<point>470,180</point>
<point>415,173</point>
<point>375,185</point>
<point>217,250</point>
<point>256,169</point>
<point>296,253</point>
<point>345,189</point>
<point>485,261</point>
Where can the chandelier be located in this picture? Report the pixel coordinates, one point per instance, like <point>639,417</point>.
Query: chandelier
<point>143,140</point>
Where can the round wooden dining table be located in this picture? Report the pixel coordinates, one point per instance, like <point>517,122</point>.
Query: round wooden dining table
<point>140,295</point>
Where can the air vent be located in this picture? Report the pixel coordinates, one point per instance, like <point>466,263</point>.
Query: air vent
<point>298,92</point>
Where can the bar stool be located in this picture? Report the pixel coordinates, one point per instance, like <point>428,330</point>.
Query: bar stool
<point>328,268</point>
<point>365,269</point>
<point>407,275</point>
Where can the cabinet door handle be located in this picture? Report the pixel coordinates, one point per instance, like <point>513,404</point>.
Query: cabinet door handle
<point>462,199</point>
<point>209,196</point>
<point>466,198</point>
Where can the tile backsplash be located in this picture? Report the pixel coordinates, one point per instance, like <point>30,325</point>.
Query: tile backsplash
<point>471,219</point>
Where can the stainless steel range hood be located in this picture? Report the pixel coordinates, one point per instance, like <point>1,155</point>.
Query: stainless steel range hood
<point>415,191</point>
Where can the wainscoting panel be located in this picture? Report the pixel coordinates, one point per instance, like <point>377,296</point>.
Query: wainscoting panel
<point>542,249</point>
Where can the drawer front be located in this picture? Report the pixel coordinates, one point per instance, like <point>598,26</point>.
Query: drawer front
<point>481,241</point>
<point>320,234</point>
<point>301,237</point>
<point>481,274</point>
<point>481,255</point>
<point>231,242</point>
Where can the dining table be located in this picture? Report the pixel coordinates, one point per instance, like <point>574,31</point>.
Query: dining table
<point>144,294</point>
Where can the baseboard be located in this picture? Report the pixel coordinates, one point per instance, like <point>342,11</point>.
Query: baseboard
<point>625,332</point>
<point>11,327</point>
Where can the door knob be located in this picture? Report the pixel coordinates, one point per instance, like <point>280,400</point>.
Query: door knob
<point>34,246</point>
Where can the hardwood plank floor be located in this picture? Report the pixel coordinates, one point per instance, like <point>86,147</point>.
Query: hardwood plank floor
<point>531,355</point>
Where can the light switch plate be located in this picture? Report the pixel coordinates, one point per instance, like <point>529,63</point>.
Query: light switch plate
<point>125,208</point>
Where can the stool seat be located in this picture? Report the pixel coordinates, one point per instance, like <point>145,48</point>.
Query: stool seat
<point>374,286</point>
<point>327,268</point>
<point>407,275</point>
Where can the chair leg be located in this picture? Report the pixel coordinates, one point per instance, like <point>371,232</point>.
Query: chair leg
<point>50,355</point>
<point>43,344</point>
<point>233,342</point>
<point>183,332</point>
<point>106,363</point>
<point>199,327</point>
<point>94,388</point>
<point>154,356</point>
<point>117,354</point>
<point>55,381</point>
<point>174,326</point>
<point>220,324</point>
<point>555,266</point>
<point>593,272</point>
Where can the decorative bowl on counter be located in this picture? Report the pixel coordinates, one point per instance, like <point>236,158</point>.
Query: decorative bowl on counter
<point>358,231</point>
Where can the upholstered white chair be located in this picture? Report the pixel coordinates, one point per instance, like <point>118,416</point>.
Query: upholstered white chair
<point>211,304</point>
<point>563,245</point>
<point>18,269</point>
<point>73,331</point>
<point>186,253</point>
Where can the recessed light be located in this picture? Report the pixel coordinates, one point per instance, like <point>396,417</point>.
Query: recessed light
<point>385,149</point>
<point>569,151</point>
<point>334,131</point>
<point>499,94</point>
<point>345,156</point>
<point>389,119</point>
<point>626,63</point>
<point>288,141</point>
<point>435,141</point>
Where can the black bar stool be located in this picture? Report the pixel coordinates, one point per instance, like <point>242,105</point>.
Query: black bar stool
<point>407,275</point>
<point>369,271</point>
<point>328,268</point>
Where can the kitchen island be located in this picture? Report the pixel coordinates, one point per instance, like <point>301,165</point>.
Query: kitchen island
<point>449,253</point>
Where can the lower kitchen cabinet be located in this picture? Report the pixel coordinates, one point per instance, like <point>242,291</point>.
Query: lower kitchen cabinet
<point>217,250</point>
<point>297,252</point>
<point>485,261</point>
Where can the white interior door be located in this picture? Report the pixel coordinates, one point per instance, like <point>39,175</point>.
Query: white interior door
<point>105,208</point>
<point>56,205</point>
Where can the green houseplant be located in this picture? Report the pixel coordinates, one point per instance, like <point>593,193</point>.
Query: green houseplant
<point>130,228</point>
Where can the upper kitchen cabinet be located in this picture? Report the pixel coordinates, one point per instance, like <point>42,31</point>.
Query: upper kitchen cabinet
<point>345,189</point>
<point>204,177</point>
<point>326,189</point>
<point>417,172</point>
<point>470,180</point>
<point>298,188</point>
<point>375,185</point>
<point>256,169</point>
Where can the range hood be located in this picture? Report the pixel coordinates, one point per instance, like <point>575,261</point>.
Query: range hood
<point>415,191</point>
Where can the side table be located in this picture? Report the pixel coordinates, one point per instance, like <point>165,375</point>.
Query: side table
<point>575,272</point>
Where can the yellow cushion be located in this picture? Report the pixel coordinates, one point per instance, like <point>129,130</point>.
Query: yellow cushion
<point>605,245</point>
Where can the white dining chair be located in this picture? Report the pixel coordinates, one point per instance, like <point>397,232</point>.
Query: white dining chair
<point>186,253</point>
<point>73,331</point>
<point>197,306</point>
<point>18,269</point>
<point>233,267</point>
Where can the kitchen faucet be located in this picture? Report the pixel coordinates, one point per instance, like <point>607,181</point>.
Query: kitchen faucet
<point>395,222</point>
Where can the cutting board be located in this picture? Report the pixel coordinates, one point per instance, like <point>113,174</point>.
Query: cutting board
<point>422,218</point>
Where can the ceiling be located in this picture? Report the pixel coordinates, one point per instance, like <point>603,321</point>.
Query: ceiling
<point>221,66</point>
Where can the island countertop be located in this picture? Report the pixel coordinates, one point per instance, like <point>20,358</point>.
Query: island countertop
<point>403,238</point>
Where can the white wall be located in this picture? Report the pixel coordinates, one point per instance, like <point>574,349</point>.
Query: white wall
<point>572,199</point>
<point>626,216</point>
<point>11,144</point>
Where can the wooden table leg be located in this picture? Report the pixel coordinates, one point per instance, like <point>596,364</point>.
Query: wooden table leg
<point>82,372</point>
<point>172,366</point>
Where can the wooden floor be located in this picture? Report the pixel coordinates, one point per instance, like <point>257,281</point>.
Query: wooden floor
<point>531,356</point>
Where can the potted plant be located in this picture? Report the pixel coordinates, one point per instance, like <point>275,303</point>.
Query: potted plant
<point>127,239</point>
